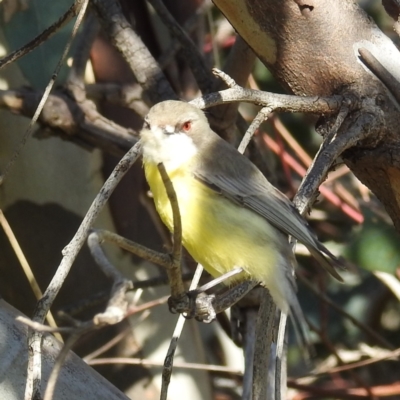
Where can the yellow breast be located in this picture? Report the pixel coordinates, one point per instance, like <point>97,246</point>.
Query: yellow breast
<point>221,235</point>
<point>217,233</point>
<point>181,182</point>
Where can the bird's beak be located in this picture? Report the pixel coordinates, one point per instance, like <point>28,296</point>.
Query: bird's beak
<point>168,129</point>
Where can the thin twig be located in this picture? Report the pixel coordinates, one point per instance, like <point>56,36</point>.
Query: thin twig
<point>220,279</point>
<point>207,307</point>
<point>76,86</point>
<point>143,65</point>
<point>365,125</point>
<point>100,258</point>
<point>266,313</point>
<point>160,280</point>
<point>117,305</point>
<point>214,46</point>
<point>339,119</point>
<point>191,53</point>
<point>115,311</point>
<point>169,358</point>
<point>44,328</point>
<point>70,253</point>
<point>277,102</point>
<point>364,328</point>
<point>175,45</point>
<point>230,82</point>
<point>162,259</point>
<point>261,117</point>
<point>325,191</point>
<point>280,358</point>
<point>43,36</point>
<point>355,393</point>
<point>107,346</point>
<point>392,355</point>
<point>51,383</point>
<point>174,272</point>
<point>27,269</point>
<point>391,83</point>
<point>238,65</point>
<point>150,363</point>
<point>67,119</point>
<point>76,77</point>
<point>175,277</point>
<point>290,140</point>
<point>34,374</point>
<point>46,93</point>
<point>128,95</point>
<point>78,240</point>
<point>134,309</point>
<point>332,349</point>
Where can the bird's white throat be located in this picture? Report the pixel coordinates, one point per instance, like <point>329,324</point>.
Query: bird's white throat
<point>172,150</point>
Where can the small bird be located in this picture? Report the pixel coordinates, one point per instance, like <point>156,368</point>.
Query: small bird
<point>231,215</point>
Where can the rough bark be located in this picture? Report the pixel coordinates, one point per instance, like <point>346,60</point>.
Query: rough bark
<point>311,48</point>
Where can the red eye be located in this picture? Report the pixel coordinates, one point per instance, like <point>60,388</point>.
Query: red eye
<point>187,126</point>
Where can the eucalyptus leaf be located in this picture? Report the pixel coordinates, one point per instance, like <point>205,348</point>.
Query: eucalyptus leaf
<point>26,24</point>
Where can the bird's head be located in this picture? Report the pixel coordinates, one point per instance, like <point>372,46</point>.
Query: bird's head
<point>171,133</point>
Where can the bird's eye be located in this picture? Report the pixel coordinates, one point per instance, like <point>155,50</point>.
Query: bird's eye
<point>187,126</point>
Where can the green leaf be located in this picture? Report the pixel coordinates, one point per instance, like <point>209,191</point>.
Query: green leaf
<point>24,25</point>
<point>377,247</point>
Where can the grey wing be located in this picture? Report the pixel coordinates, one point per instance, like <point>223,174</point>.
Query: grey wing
<point>260,196</point>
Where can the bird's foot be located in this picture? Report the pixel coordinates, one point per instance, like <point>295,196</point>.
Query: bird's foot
<point>194,304</point>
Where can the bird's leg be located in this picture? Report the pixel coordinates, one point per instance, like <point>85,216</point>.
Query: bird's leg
<point>196,303</point>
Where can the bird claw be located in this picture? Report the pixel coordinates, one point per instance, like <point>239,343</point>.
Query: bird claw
<point>194,305</point>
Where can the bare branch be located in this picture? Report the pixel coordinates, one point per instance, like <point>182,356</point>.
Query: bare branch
<point>192,55</point>
<point>125,95</point>
<point>365,124</point>
<point>142,63</point>
<point>70,253</point>
<point>360,325</point>
<point>239,64</point>
<point>261,117</point>
<point>46,93</point>
<point>174,272</point>
<point>151,363</point>
<point>55,373</point>
<point>117,305</point>
<point>175,45</point>
<point>169,358</point>
<point>277,102</point>
<point>75,81</point>
<point>263,347</point>
<point>26,268</point>
<point>85,126</point>
<point>162,259</point>
<point>42,37</point>
<point>392,84</point>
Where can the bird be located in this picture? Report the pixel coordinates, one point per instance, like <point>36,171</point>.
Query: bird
<point>231,215</point>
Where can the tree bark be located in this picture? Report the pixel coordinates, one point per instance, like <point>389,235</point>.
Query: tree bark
<point>311,48</point>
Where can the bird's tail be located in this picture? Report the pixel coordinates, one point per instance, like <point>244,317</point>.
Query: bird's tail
<point>298,319</point>
<point>301,331</point>
<point>327,260</point>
